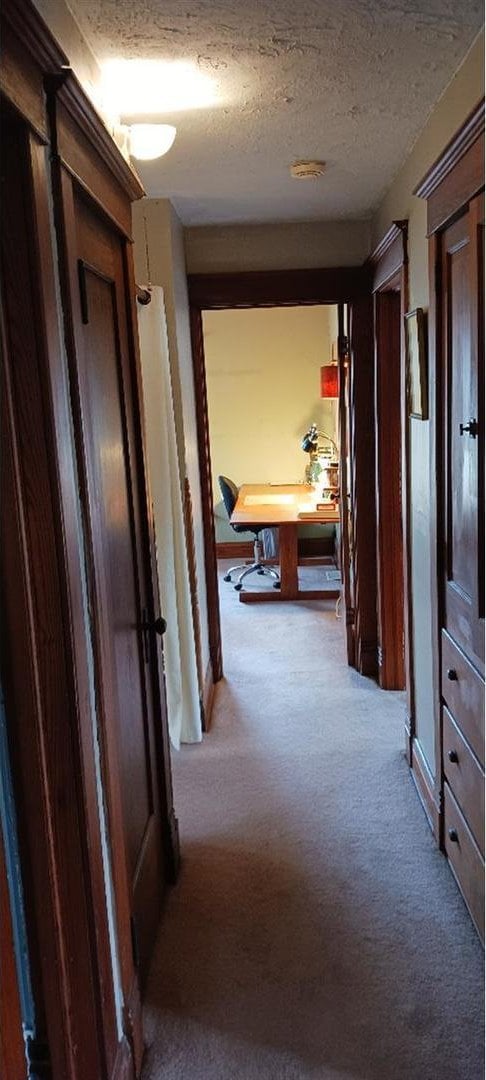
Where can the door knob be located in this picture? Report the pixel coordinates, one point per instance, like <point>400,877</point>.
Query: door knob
<point>453,835</point>
<point>452,674</point>
<point>471,428</point>
<point>452,755</point>
<point>157,626</point>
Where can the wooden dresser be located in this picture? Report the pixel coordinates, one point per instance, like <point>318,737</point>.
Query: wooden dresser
<point>463,771</point>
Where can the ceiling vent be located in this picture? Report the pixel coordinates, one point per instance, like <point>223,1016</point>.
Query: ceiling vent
<point>307,170</point>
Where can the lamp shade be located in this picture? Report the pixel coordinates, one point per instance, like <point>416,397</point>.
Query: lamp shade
<point>329,381</point>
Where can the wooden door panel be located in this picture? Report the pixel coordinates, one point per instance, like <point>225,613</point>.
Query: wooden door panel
<point>461,445</point>
<point>110,487</point>
<point>133,715</point>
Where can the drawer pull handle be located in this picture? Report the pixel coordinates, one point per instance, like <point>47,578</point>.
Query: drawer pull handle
<point>452,674</point>
<point>452,755</point>
<point>453,836</point>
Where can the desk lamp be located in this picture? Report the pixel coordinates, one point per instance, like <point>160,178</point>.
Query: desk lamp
<point>320,446</point>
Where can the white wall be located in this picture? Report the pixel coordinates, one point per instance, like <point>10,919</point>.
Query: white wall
<point>457,102</point>
<point>284,246</point>
<point>156,219</point>
<point>263,380</point>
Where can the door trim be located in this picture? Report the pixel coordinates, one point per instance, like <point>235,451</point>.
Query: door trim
<point>389,262</point>
<point>212,292</point>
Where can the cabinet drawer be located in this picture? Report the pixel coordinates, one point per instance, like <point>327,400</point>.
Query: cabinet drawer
<point>465,777</point>
<point>463,692</point>
<point>465,859</point>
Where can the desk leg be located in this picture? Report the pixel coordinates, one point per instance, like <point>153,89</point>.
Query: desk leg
<point>289,587</point>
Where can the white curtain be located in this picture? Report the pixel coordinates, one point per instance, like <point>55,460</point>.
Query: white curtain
<point>184,712</point>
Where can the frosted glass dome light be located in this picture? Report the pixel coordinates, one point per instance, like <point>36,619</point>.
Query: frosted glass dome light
<point>149,141</point>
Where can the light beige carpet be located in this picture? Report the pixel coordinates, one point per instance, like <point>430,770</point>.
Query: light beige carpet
<point>316,931</point>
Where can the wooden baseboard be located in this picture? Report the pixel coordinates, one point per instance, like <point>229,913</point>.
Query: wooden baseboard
<point>208,698</point>
<point>408,739</point>
<point>424,783</point>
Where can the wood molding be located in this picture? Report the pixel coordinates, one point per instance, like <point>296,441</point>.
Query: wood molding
<point>458,146</point>
<point>70,93</point>
<point>34,35</point>
<point>395,232</point>
<point>270,288</point>
<point>82,143</point>
<point>389,256</point>
<point>205,475</point>
<point>193,583</point>
<point>362,454</point>
<point>43,700</point>
<point>424,783</point>
<point>208,697</point>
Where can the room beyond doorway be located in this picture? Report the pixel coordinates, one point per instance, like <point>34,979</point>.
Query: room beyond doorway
<point>263,373</point>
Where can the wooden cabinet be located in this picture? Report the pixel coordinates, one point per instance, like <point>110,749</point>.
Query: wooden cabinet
<point>456,382</point>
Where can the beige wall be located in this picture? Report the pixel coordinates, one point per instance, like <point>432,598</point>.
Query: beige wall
<point>263,372</point>
<point>166,267</point>
<point>457,102</point>
<point>289,245</point>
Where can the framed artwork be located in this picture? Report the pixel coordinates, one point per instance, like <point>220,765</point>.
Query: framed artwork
<point>416,356</point>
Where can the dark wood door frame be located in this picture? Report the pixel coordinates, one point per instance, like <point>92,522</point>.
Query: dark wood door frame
<point>454,179</point>
<point>394,600</point>
<point>46,648</point>
<point>212,292</point>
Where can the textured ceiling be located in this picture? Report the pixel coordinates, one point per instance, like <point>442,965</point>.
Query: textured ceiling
<point>350,82</point>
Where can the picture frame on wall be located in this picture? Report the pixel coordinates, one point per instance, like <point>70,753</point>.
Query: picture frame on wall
<point>416,356</point>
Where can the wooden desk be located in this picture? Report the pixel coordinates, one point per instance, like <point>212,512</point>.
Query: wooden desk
<point>279,506</point>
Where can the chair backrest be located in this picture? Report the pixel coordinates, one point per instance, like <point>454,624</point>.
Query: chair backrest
<point>229,492</point>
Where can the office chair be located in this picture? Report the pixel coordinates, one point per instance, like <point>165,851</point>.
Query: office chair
<point>229,492</point>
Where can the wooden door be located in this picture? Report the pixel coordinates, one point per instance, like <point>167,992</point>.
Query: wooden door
<point>131,697</point>
<point>389,532</point>
<point>463,450</point>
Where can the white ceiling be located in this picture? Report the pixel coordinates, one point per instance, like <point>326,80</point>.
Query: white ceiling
<point>350,82</point>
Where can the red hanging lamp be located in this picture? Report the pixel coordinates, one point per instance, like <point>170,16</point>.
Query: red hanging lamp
<point>329,381</point>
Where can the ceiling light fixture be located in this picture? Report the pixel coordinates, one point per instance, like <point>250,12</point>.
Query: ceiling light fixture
<point>149,141</point>
<point>147,87</point>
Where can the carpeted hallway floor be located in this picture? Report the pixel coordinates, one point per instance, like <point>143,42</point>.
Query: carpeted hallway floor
<point>316,931</point>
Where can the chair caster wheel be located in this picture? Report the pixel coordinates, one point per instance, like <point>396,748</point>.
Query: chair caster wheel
<point>227,577</point>
<point>276,584</point>
<point>238,588</point>
<point>261,572</point>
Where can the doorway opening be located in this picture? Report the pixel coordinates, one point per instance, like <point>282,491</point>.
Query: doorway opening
<point>272,430</point>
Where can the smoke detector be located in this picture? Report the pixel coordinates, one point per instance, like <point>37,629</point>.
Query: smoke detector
<point>307,170</point>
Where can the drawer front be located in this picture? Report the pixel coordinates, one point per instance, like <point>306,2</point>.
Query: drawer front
<point>465,777</point>
<point>465,859</point>
<point>463,693</point>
